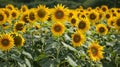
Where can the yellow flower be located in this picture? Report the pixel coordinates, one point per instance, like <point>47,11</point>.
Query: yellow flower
<point>107,15</point>
<point>14,14</point>
<point>24,17</point>
<point>93,16</point>
<point>3,17</point>
<point>102,29</point>
<point>104,8</point>
<point>117,22</point>
<point>32,16</point>
<point>59,13</point>
<point>110,22</point>
<point>83,25</point>
<point>58,29</point>
<point>73,20</point>
<point>42,13</point>
<point>18,39</point>
<point>9,6</point>
<point>6,42</point>
<point>19,26</point>
<point>95,51</point>
<point>8,13</point>
<point>78,39</point>
<point>24,8</point>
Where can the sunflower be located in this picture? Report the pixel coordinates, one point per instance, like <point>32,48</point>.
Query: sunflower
<point>82,15</point>
<point>19,26</point>
<point>95,51</point>
<point>24,17</point>
<point>14,14</point>
<point>9,6</point>
<point>8,13</point>
<point>72,13</point>
<point>118,10</point>
<point>108,15</point>
<point>73,20</point>
<point>104,8</point>
<point>83,25</point>
<point>58,29</point>
<point>59,13</point>
<point>24,8</point>
<point>6,42</point>
<point>78,39</point>
<point>3,17</point>
<point>18,39</point>
<point>42,13</point>
<point>89,9</point>
<point>102,29</point>
<point>93,16</point>
<point>32,16</point>
<point>110,22</point>
<point>117,23</point>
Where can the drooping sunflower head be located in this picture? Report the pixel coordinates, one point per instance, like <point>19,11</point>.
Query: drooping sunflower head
<point>9,6</point>
<point>24,17</point>
<point>14,14</point>
<point>42,13</point>
<point>117,23</point>
<point>58,29</point>
<point>95,51</point>
<point>24,8</point>
<point>3,17</point>
<point>19,26</point>
<point>83,25</point>
<point>102,29</point>
<point>32,16</point>
<point>59,13</point>
<point>73,21</point>
<point>6,42</point>
<point>93,16</point>
<point>104,8</point>
<point>78,39</point>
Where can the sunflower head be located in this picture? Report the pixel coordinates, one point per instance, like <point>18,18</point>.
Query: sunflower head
<point>110,22</point>
<point>18,39</point>
<point>108,15</point>
<point>95,51</point>
<point>9,6</point>
<point>83,25</point>
<point>78,39</point>
<point>6,25</point>
<point>3,17</point>
<point>19,26</point>
<point>6,42</point>
<point>102,29</point>
<point>24,8</point>
<point>73,20</point>
<point>117,23</point>
<point>42,13</point>
<point>93,16</point>
<point>104,8</point>
<point>8,13</point>
<point>14,14</point>
<point>58,29</point>
<point>24,17</point>
<point>59,13</point>
<point>32,16</point>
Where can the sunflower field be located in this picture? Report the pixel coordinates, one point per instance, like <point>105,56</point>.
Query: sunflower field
<point>59,36</point>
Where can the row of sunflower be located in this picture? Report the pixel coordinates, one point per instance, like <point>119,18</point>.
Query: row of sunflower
<point>64,37</point>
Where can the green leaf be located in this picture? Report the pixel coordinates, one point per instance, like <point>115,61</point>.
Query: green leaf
<point>71,62</point>
<point>69,47</point>
<point>27,54</point>
<point>27,62</point>
<point>41,56</point>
